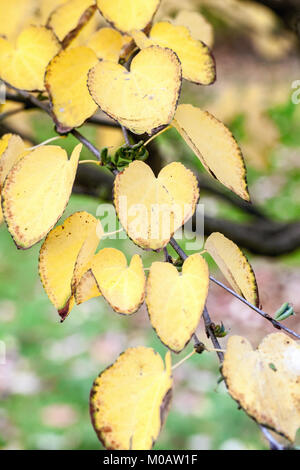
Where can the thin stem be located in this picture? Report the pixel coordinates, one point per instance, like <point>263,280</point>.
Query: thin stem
<point>108,234</point>
<point>215,350</point>
<point>167,257</point>
<point>82,162</point>
<point>274,445</point>
<point>274,322</point>
<point>46,142</point>
<point>156,135</point>
<point>178,249</point>
<point>32,99</point>
<point>87,143</point>
<point>45,107</point>
<point>183,360</point>
<point>126,136</point>
<point>210,333</point>
<point>196,339</point>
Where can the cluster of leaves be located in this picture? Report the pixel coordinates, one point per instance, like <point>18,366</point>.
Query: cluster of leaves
<point>77,74</point>
<point>124,155</point>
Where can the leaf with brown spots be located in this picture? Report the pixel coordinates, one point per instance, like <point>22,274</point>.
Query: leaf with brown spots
<point>36,192</point>
<point>67,20</point>
<point>130,399</point>
<point>121,285</point>
<point>141,99</point>
<point>234,265</point>
<point>175,301</point>
<point>266,382</point>
<point>151,209</point>
<point>65,256</point>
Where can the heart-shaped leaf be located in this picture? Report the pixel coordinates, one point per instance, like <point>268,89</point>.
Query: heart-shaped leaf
<point>122,286</point>
<point>23,63</point>
<point>14,16</point>
<point>197,62</point>
<point>65,256</point>
<point>68,19</point>
<point>175,302</point>
<point>266,382</point>
<point>108,44</point>
<point>197,24</point>
<point>36,192</point>
<point>11,150</point>
<point>151,209</point>
<point>65,81</point>
<point>126,15</point>
<point>130,400</point>
<point>141,99</point>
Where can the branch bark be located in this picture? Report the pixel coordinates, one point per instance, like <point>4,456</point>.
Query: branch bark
<point>261,236</point>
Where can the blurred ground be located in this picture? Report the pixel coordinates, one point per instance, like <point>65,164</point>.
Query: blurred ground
<point>50,367</point>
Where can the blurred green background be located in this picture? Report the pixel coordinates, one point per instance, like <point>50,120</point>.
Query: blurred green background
<point>50,367</point>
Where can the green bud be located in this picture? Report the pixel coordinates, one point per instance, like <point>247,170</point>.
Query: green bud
<point>273,367</point>
<point>285,311</point>
<point>220,331</point>
<point>124,155</point>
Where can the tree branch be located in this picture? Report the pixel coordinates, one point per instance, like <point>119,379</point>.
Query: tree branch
<point>274,445</point>
<point>267,237</point>
<point>210,334</point>
<point>265,315</point>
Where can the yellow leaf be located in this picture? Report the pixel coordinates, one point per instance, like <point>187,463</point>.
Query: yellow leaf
<point>36,192</point>
<point>65,81</point>
<point>23,62</point>
<point>266,382</point>
<point>197,63</point>
<point>87,288</point>
<point>11,150</point>
<point>123,287</point>
<point>108,43</point>
<point>175,302</point>
<point>141,39</point>
<point>141,99</point>
<point>86,253</point>
<point>151,209</point>
<point>214,145</point>
<point>130,400</point>
<point>68,19</point>
<point>197,24</point>
<point>65,253</point>
<point>110,137</point>
<point>4,143</point>
<point>45,8</point>
<point>234,265</point>
<point>126,15</point>
<point>14,15</point>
